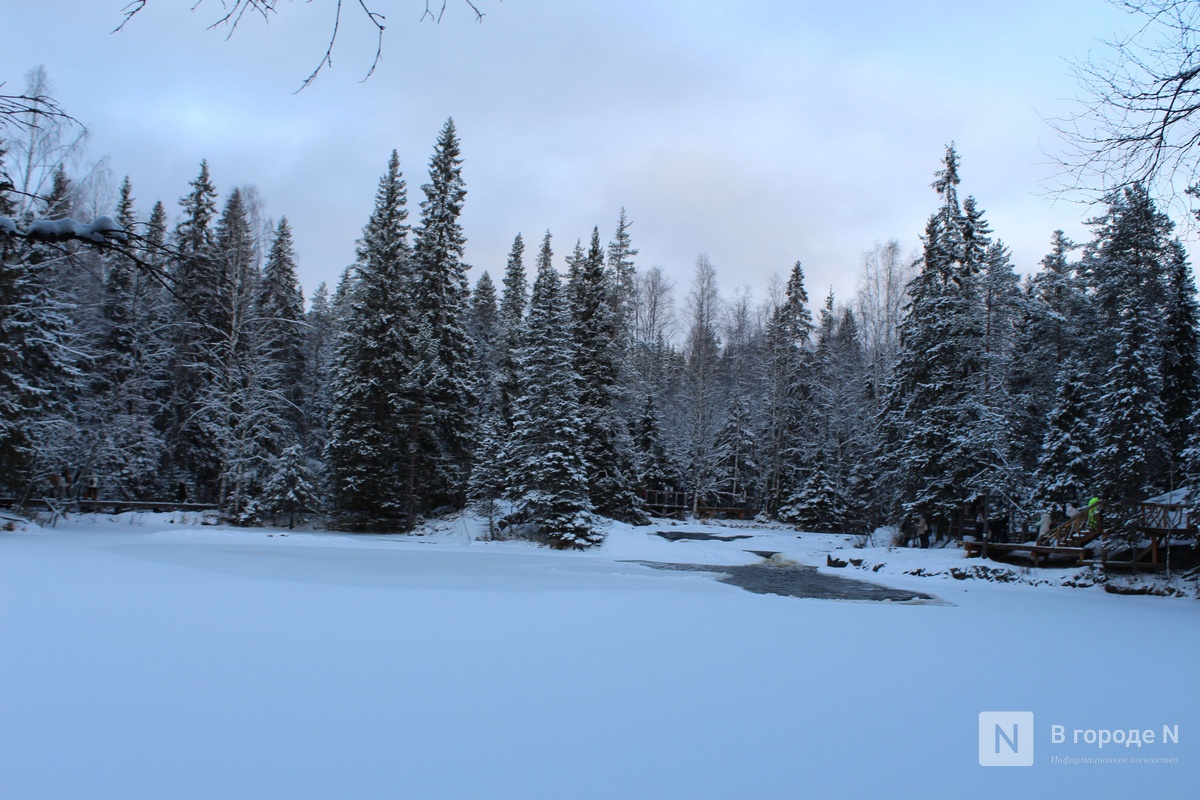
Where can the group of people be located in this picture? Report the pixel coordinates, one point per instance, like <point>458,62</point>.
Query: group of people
<point>918,531</point>
<point>62,482</point>
<point>61,486</point>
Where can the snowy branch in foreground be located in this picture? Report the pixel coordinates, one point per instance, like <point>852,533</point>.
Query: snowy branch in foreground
<point>101,230</point>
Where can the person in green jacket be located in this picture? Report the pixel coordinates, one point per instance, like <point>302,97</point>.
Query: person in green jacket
<point>1093,509</point>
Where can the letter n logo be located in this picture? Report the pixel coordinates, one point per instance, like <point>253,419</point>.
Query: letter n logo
<point>1006,738</point>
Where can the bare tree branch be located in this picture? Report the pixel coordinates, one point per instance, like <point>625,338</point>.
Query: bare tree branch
<point>1137,118</point>
<point>23,111</point>
<point>234,10</point>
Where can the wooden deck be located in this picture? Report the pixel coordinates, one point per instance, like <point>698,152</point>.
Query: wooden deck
<point>1079,539</point>
<point>101,506</point>
<point>1037,553</point>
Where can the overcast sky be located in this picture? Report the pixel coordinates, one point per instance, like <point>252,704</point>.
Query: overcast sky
<point>759,132</point>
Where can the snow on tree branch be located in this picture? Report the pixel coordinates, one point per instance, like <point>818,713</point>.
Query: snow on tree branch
<point>101,230</point>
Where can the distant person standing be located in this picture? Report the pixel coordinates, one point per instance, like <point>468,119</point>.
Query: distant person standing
<point>181,493</point>
<point>92,492</point>
<point>64,482</point>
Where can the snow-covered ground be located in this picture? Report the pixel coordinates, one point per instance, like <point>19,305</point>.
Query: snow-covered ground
<point>145,658</point>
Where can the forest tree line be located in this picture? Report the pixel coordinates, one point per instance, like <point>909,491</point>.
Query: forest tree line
<point>552,398</point>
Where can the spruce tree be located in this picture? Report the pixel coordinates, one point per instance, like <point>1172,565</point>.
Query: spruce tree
<point>832,492</point>
<point>1181,356</point>
<point>371,454</point>
<point>484,327</point>
<point>935,452</point>
<point>1064,463</point>
<point>195,281</point>
<point>622,278</point>
<point>240,408</point>
<point>1131,451</point>
<point>121,408</point>
<point>737,456</point>
<point>654,469</point>
<point>290,487</point>
<point>547,470</point>
<point>37,352</point>
<point>512,319</point>
<point>1126,267</point>
<point>439,298</point>
<point>994,445</point>
<point>320,356</point>
<point>1053,317</point>
<point>786,387</point>
<point>607,449</point>
<point>280,328</point>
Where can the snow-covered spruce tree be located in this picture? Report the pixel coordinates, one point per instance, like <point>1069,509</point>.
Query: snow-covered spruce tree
<point>854,426</point>
<point>123,403</point>
<point>280,329</point>
<point>37,355</point>
<point>371,454</point>
<point>812,501</point>
<point>1063,468</point>
<point>737,456</point>
<point>483,326</point>
<point>513,302</point>
<point>1050,326</point>
<point>932,452</point>
<point>320,355</point>
<point>996,411</point>
<point>197,320</point>
<point>242,404</point>
<point>740,479</point>
<point>547,471</point>
<point>290,487</point>
<point>817,505</point>
<point>654,470</point>
<point>439,299</point>
<point>607,449</point>
<point>785,387</point>
<point>835,494</point>
<point>1131,457</point>
<point>1181,357</point>
<point>1126,265</point>
<point>488,473</point>
<point>120,274</point>
<point>622,278</point>
<point>486,329</point>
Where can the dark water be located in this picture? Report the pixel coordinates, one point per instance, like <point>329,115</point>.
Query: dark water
<point>796,581</point>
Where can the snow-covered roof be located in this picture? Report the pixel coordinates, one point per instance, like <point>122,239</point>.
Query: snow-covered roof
<point>1175,498</point>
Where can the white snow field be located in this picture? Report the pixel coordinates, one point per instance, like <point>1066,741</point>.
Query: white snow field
<point>144,658</point>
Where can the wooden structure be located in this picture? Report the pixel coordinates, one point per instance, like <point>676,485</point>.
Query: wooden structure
<point>671,503</point>
<point>1160,519</point>
<point>59,508</point>
<point>1074,540</point>
<point>1083,539</point>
